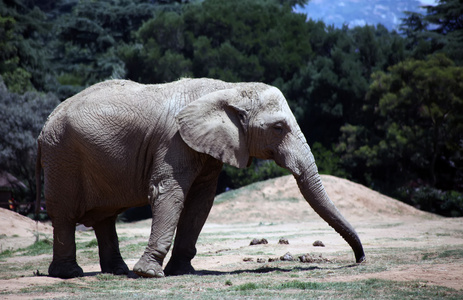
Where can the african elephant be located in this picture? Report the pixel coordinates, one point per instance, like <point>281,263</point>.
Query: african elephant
<point>120,144</point>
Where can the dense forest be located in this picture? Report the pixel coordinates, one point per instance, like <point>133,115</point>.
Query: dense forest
<point>382,108</point>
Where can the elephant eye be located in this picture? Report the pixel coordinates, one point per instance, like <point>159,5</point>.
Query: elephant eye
<point>242,117</point>
<point>278,128</point>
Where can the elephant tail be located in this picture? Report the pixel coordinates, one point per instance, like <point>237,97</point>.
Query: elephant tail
<point>38,181</point>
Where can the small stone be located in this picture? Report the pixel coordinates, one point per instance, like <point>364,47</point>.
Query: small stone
<point>309,258</point>
<point>318,243</point>
<point>283,241</point>
<point>272,259</point>
<point>306,258</point>
<point>287,257</point>
<point>258,242</point>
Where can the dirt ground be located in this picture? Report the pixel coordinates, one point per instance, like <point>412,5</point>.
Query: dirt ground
<point>275,209</point>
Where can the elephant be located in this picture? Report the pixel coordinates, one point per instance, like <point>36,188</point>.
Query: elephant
<point>121,144</point>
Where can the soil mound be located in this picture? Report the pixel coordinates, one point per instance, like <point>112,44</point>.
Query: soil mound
<point>17,231</point>
<point>279,200</point>
<point>12,223</point>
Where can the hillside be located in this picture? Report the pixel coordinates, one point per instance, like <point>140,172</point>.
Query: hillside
<point>278,200</point>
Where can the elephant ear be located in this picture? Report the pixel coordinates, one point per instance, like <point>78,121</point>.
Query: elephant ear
<point>214,125</point>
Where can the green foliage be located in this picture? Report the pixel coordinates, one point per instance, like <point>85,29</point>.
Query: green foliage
<point>233,178</point>
<point>328,162</point>
<point>21,51</point>
<point>415,134</point>
<point>86,50</point>
<point>22,119</point>
<point>447,203</point>
<point>328,90</point>
<point>439,30</point>
<point>229,40</point>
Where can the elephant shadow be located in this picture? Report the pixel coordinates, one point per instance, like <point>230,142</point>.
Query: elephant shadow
<point>262,270</point>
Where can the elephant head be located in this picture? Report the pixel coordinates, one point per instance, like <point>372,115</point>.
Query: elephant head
<point>254,120</point>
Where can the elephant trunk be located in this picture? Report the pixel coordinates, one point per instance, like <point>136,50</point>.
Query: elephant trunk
<point>311,187</point>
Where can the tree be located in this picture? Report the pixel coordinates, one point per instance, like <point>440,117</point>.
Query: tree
<point>447,18</point>
<point>414,138</point>
<point>440,29</point>
<point>87,40</point>
<point>229,40</point>
<point>23,116</point>
<point>328,90</point>
<point>23,28</point>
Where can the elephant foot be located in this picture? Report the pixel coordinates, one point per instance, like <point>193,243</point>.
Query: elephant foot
<point>65,270</point>
<point>117,267</point>
<point>175,268</point>
<point>146,267</point>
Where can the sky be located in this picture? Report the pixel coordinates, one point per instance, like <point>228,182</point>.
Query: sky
<point>362,12</point>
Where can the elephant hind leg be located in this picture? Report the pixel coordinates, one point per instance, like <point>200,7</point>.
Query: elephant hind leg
<point>64,264</point>
<point>108,247</point>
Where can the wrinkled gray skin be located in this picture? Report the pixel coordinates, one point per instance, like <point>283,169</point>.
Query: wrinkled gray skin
<point>120,144</point>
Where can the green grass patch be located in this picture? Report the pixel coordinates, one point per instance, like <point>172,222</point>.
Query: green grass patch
<point>44,246</point>
<point>133,247</point>
<point>106,277</point>
<point>5,254</point>
<point>300,285</point>
<point>92,244</point>
<point>451,253</point>
<point>364,289</point>
<point>249,286</point>
<point>455,253</point>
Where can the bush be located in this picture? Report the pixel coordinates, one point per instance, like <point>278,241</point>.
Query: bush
<point>233,178</point>
<point>446,203</point>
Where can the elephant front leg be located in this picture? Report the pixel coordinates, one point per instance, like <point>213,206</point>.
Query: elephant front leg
<point>166,204</point>
<point>198,204</point>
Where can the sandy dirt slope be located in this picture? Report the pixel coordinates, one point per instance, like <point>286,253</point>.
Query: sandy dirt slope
<point>17,231</point>
<point>279,199</point>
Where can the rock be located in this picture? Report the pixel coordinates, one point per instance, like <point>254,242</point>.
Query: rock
<point>287,257</point>
<point>258,242</point>
<point>318,243</point>
<point>283,241</point>
<point>272,259</point>
<point>309,258</point>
